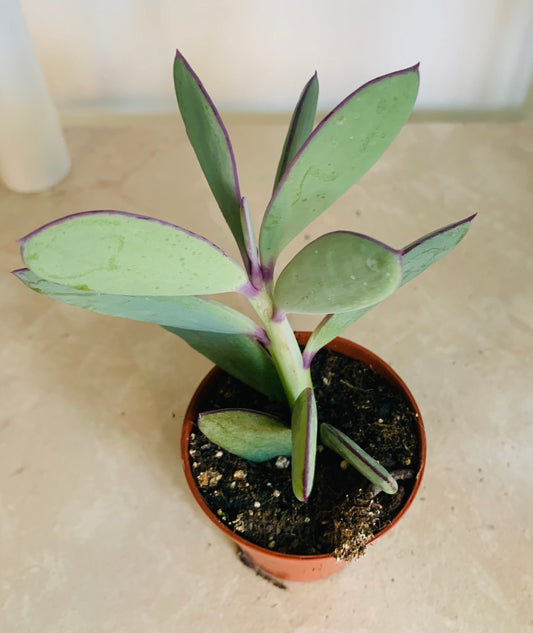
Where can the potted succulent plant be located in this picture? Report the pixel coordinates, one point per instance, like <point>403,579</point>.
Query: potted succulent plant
<point>141,268</point>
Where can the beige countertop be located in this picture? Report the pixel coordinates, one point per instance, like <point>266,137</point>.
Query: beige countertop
<point>98,533</point>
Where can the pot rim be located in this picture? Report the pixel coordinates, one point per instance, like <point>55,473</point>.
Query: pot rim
<point>339,344</point>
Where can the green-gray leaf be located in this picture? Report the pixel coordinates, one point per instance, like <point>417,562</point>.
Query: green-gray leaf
<point>120,253</point>
<point>239,355</point>
<point>251,244</point>
<point>358,458</point>
<point>425,251</point>
<point>338,272</point>
<point>341,149</point>
<point>330,327</point>
<point>248,434</point>
<point>211,143</point>
<point>304,433</point>
<point>416,257</point>
<point>195,313</point>
<point>300,127</point>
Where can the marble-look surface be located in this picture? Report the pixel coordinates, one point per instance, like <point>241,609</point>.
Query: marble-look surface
<point>98,533</point>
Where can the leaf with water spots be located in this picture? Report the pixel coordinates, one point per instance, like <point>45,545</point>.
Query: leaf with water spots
<point>341,149</point>
<point>416,257</point>
<point>338,272</point>
<point>120,253</point>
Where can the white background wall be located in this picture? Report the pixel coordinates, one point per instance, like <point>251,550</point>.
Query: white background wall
<point>257,54</point>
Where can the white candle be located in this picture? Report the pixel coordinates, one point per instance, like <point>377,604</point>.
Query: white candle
<point>33,152</point>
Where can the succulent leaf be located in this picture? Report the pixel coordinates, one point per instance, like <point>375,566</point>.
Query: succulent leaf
<point>331,326</point>
<point>121,253</point>
<point>251,244</point>
<point>195,313</point>
<point>300,127</point>
<point>304,427</point>
<point>341,149</point>
<point>358,458</point>
<point>211,143</point>
<point>338,272</point>
<point>416,257</point>
<point>425,251</point>
<point>249,434</point>
<point>239,355</point>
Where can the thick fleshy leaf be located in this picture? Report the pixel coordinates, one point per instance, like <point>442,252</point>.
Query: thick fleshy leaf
<point>211,143</point>
<point>239,355</point>
<point>300,127</point>
<point>195,313</point>
<point>251,244</point>
<point>341,149</point>
<point>249,434</point>
<point>331,326</point>
<point>416,257</point>
<point>424,252</point>
<point>338,272</point>
<point>304,435</point>
<point>358,458</point>
<point>120,253</point>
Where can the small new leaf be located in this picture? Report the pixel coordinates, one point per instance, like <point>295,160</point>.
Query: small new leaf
<point>251,244</point>
<point>358,458</point>
<point>248,434</point>
<point>304,434</point>
<point>300,127</point>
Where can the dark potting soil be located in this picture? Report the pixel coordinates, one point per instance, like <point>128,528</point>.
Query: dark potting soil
<point>256,501</point>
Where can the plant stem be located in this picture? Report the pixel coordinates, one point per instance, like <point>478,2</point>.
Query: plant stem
<point>283,347</point>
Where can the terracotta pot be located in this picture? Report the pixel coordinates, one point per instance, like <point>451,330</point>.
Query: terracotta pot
<point>287,566</point>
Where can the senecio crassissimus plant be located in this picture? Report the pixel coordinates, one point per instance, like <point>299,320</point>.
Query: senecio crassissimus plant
<point>145,269</point>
